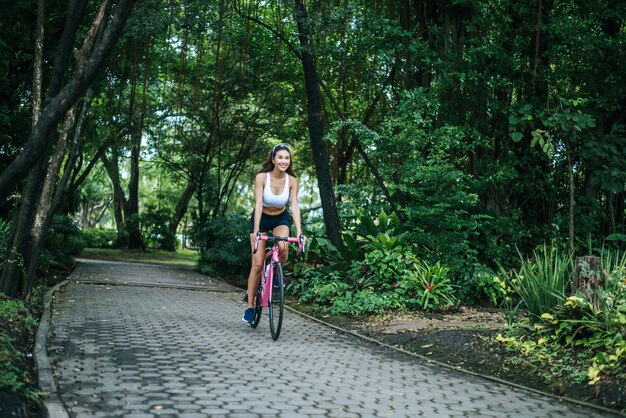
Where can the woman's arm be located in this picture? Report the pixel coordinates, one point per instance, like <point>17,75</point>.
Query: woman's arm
<point>259,183</point>
<point>295,209</point>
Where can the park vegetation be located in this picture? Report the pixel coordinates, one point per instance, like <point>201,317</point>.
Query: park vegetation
<point>449,152</point>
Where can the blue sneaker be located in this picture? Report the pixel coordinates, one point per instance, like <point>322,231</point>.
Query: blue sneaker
<point>248,315</point>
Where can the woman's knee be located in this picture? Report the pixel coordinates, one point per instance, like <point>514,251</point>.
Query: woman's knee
<point>257,265</point>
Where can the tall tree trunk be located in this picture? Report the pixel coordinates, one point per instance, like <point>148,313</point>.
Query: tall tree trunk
<point>68,204</point>
<point>619,211</point>
<point>11,279</point>
<point>181,209</point>
<point>315,124</point>
<point>132,222</point>
<point>119,199</point>
<point>37,70</point>
<point>47,203</point>
<point>216,134</point>
<point>52,194</point>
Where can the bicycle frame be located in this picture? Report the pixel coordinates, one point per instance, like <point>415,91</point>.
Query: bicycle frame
<point>267,281</point>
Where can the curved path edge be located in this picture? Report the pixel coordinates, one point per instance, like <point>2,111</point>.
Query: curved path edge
<point>52,406</point>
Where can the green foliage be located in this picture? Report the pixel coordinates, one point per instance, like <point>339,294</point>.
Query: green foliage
<point>224,245</point>
<point>482,287</point>
<point>596,331</point>
<point>64,240</point>
<point>427,287</point>
<point>5,228</point>
<point>14,316</point>
<point>543,280</point>
<point>376,271</point>
<point>99,238</point>
<point>430,190</point>
<point>337,293</point>
<point>155,228</point>
<point>387,260</point>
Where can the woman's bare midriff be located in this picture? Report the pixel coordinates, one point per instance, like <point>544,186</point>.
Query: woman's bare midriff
<point>273,211</point>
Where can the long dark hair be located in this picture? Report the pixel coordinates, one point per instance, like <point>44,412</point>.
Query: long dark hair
<point>268,164</point>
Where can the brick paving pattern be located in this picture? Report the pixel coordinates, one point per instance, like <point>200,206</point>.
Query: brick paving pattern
<point>133,351</point>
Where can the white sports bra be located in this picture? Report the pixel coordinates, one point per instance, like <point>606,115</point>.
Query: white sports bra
<point>272,200</point>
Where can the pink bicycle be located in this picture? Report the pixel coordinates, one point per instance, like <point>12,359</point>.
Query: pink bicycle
<point>271,290</point>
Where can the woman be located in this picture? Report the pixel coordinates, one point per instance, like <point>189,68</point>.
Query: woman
<point>274,186</point>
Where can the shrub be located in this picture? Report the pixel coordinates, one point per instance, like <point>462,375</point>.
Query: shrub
<point>595,331</point>
<point>427,287</point>
<point>155,228</point>
<point>542,281</point>
<point>371,274</point>
<point>224,245</point>
<point>99,238</point>
<point>14,316</point>
<point>65,239</point>
<point>482,287</point>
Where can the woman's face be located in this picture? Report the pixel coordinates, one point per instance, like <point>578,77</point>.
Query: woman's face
<point>282,159</point>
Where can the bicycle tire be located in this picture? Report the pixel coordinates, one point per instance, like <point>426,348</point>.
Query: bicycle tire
<point>277,306</point>
<point>257,309</point>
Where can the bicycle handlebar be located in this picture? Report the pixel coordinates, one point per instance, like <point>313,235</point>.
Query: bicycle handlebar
<point>299,240</point>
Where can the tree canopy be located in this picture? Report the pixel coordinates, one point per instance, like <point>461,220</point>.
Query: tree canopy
<point>486,126</point>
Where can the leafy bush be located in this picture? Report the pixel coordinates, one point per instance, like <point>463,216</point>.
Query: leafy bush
<point>542,281</point>
<point>482,287</point>
<point>596,331</point>
<point>155,228</point>
<point>99,238</point>
<point>387,260</point>
<point>224,245</point>
<point>376,270</point>
<point>64,239</point>
<point>332,290</point>
<point>14,316</point>
<point>429,189</point>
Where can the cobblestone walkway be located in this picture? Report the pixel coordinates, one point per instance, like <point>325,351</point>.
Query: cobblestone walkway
<point>134,351</point>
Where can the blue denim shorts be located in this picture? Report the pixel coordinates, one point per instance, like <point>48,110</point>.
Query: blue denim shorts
<point>269,222</point>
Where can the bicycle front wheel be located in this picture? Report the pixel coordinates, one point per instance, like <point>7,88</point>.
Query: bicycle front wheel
<point>277,304</point>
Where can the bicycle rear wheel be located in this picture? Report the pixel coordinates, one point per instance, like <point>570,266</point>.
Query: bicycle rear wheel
<point>278,301</point>
<point>257,309</point>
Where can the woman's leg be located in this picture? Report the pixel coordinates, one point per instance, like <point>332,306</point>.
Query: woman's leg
<point>255,271</point>
<point>282,231</point>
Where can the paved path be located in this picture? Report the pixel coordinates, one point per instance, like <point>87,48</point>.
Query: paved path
<point>136,351</point>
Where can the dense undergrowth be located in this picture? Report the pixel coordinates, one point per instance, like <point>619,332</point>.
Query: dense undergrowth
<point>19,393</point>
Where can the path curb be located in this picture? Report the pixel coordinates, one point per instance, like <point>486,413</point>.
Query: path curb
<point>458,369</point>
<point>52,406</point>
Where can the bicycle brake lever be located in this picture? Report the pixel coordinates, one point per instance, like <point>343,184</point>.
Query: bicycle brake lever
<point>256,244</point>
<point>300,244</point>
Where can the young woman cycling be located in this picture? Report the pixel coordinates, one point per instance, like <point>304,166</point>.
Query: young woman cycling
<point>274,186</point>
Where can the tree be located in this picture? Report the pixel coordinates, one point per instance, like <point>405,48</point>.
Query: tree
<point>33,158</point>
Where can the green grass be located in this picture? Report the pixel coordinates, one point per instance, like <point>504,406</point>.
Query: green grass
<point>178,258</point>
